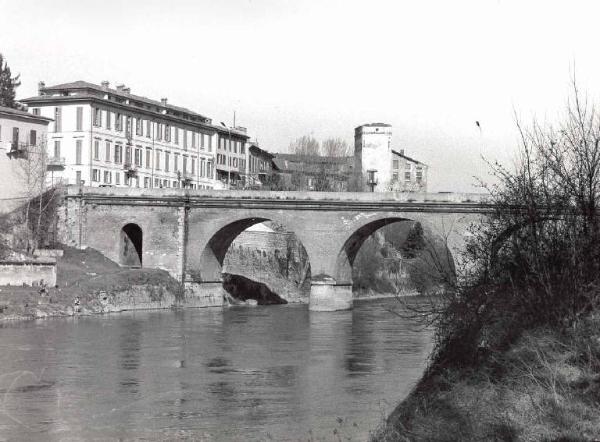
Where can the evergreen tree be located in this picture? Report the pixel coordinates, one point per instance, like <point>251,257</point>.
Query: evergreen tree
<point>8,84</point>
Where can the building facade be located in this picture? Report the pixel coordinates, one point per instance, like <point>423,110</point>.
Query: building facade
<point>110,137</point>
<point>259,168</point>
<point>231,157</point>
<point>22,159</point>
<point>379,167</point>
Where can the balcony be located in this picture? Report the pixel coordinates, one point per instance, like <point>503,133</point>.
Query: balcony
<point>55,163</point>
<point>17,150</point>
<point>130,169</point>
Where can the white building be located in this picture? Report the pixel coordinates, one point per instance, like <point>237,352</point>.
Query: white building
<point>383,168</point>
<point>110,137</point>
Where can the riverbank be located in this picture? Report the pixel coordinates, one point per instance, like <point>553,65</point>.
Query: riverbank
<point>88,283</point>
<point>544,387</point>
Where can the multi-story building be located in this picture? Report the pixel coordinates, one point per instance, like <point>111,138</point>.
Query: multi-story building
<point>22,163</point>
<point>381,168</point>
<point>231,157</point>
<point>111,137</point>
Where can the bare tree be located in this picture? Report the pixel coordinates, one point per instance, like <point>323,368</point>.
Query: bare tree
<point>305,145</point>
<point>335,147</point>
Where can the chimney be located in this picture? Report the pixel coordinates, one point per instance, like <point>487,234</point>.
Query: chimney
<point>127,90</point>
<point>401,151</point>
<point>120,87</point>
<point>41,85</point>
<point>105,84</point>
<point>163,101</point>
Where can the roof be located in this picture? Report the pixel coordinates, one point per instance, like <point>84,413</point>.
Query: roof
<point>259,151</point>
<point>408,158</point>
<point>16,113</point>
<point>90,91</point>
<point>374,125</point>
<point>312,163</point>
<point>75,85</point>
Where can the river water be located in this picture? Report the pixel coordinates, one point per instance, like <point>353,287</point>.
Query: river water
<point>240,374</point>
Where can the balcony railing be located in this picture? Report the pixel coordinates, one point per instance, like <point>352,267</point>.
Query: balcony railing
<point>55,163</point>
<point>130,169</point>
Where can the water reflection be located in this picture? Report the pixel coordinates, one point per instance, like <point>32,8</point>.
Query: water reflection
<point>233,374</point>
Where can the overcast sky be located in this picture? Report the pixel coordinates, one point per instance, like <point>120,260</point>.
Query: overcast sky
<point>323,67</point>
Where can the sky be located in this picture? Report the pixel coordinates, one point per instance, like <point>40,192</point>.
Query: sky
<point>321,68</point>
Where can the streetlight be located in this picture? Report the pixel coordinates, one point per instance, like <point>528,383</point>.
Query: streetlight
<point>228,159</point>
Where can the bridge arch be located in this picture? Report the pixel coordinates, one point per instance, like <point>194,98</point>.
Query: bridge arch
<point>212,261</point>
<point>131,245</point>
<point>435,256</point>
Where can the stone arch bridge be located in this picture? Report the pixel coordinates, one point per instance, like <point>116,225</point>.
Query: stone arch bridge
<point>188,232</point>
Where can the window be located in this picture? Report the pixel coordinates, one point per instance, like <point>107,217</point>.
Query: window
<point>107,177</point>
<point>156,182</point>
<point>119,122</point>
<point>78,177</point>
<point>78,151</point>
<point>107,152</point>
<point>407,171</point>
<point>159,131</point>
<point>194,165</point>
<point>165,183</point>
<point>167,155</point>
<point>184,166</point>
<point>79,122</point>
<point>209,143</point>
<point>419,174</point>
<point>146,182</point>
<point>148,129</point>
<point>96,149</point>
<point>117,177</point>
<point>108,119</point>
<point>167,133</point>
<point>202,141</point>
<point>56,148</point>
<point>184,139</point>
<point>395,164</point>
<point>202,166</point>
<point>175,162</point>
<point>176,135</point>
<point>209,168</point>
<point>148,157</point>
<point>157,160</point>
<point>35,111</point>
<point>97,117</point>
<point>95,175</point>
<point>57,119</point>
<point>138,157</point>
<point>32,137</point>
<point>128,124</point>
<point>193,139</point>
<point>118,154</point>
<point>395,176</point>
<point>128,155</point>
<point>242,148</point>
<point>138,126</point>
<point>235,146</point>
<point>175,184</point>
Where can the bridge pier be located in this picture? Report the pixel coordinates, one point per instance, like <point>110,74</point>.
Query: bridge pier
<point>204,294</point>
<point>327,296</point>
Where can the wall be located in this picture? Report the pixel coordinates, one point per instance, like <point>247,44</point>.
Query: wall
<point>29,272</point>
<point>276,259</point>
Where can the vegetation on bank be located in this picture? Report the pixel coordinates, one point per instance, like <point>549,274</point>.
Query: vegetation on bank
<point>517,343</point>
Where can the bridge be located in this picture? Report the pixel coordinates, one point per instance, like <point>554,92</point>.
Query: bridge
<point>188,232</point>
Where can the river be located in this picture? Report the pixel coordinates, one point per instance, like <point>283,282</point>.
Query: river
<point>240,374</point>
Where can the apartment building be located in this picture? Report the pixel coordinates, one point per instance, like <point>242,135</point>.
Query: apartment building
<point>22,140</point>
<point>110,137</point>
<point>259,167</point>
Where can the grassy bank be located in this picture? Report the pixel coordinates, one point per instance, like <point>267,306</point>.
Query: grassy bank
<point>85,277</point>
<point>544,387</point>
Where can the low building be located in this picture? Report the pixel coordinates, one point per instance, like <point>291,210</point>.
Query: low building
<point>231,157</point>
<point>259,168</point>
<point>22,160</point>
<point>312,172</point>
<point>110,137</point>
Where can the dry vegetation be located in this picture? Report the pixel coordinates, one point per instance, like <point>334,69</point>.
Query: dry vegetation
<point>517,351</point>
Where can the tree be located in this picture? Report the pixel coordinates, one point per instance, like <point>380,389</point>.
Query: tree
<point>8,84</point>
<point>305,145</point>
<point>335,147</point>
